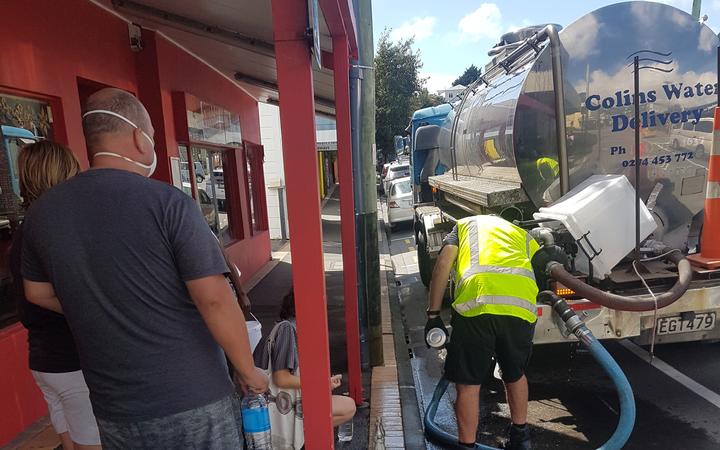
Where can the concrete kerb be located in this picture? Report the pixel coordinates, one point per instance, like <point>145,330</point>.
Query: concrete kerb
<point>392,384</point>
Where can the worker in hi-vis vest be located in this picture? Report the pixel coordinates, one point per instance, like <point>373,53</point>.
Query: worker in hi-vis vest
<point>547,167</point>
<point>493,316</point>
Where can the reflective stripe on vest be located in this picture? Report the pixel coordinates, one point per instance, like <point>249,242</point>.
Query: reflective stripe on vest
<point>475,267</point>
<point>493,270</point>
<point>496,300</point>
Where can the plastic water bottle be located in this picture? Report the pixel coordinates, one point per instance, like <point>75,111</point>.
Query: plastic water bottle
<point>256,422</point>
<point>436,338</point>
<point>345,431</point>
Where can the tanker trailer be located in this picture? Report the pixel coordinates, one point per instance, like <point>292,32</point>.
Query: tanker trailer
<point>501,144</point>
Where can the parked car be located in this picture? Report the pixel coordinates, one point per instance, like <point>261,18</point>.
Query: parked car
<point>394,172</point>
<point>208,209</point>
<point>400,201</point>
<point>219,180</point>
<point>697,137</point>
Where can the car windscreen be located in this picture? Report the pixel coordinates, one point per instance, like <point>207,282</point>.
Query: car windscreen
<point>401,188</point>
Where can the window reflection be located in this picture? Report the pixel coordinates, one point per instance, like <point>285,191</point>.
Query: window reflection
<point>207,181</point>
<point>22,121</point>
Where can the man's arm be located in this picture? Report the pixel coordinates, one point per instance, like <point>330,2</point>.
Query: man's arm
<point>224,318</point>
<point>42,294</point>
<point>440,276</point>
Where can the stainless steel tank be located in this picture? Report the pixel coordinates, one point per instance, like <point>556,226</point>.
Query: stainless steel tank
<point>511,122</point>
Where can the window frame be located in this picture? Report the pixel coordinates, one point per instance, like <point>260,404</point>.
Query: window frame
<point>232,191</point>
<point>253,156</point>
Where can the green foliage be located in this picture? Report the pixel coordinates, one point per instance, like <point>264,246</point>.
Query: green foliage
<point>471,74</point>
<point>424,99</point>
<point>398,88</point>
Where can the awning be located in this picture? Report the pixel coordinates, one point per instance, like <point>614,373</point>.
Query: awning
<point>236,38</point>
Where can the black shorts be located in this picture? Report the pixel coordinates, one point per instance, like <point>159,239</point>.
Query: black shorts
<point>475,341</point>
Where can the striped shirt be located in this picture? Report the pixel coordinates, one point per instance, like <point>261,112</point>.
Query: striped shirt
<point>284,352</point>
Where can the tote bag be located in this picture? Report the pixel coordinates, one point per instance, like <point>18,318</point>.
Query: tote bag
<point>285,408</point>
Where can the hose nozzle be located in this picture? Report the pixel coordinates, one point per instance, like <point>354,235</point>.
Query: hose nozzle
<point>572,322</point>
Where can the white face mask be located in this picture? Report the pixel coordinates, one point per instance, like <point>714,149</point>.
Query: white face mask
<point>149,167</point>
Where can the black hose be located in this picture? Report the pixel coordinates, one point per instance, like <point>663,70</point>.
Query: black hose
<point>614,301</point>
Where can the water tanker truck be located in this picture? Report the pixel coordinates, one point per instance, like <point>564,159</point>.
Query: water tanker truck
<point>546,138</point>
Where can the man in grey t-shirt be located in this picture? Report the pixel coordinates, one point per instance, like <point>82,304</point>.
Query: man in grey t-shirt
<point>139,276</point>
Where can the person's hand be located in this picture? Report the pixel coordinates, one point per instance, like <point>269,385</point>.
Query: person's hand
<point>256,381</point>
<point>335,381</point>
<point>434,322</point>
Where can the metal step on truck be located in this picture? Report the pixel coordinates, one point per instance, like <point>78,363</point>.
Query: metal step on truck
<point>545,138</point>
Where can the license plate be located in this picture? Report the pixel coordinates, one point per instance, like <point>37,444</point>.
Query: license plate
<point>675,324</point>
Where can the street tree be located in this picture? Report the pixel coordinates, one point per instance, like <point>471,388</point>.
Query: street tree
<point>398,88</point>
<point>424,99</point>
<point>471,74</point>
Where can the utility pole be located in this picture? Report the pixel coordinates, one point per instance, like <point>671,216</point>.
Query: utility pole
<point>366,198</point>
<point>696,9</point>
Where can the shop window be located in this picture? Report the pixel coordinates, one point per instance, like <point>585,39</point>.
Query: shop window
<point>210,123</point>
<point>23,121</point>
<point>256,186</point>
<point>203,172</point>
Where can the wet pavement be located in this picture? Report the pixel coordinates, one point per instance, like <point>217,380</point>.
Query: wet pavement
<point>572,404</point>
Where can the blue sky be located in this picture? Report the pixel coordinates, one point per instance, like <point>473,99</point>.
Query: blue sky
<point>452,34</point>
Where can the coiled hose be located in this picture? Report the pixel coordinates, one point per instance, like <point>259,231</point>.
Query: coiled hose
<point>614,301</point>
<point>575,325</point>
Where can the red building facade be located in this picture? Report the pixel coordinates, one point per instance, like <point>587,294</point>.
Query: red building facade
<point>54,55</point>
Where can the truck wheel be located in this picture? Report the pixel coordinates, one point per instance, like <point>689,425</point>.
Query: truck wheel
<point>425,264</point>
<point>700,150</point>
<point>675,144</point>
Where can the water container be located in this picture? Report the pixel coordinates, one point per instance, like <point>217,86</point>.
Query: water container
<point>254,329</point>
<point>600,215</point>
<point>256,422</point>
<point>345,431</point>
<point>436,337</point>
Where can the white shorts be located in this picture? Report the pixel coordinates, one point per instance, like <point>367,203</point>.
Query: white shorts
<point>68,400</point>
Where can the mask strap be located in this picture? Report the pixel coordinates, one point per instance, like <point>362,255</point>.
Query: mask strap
<point>121,117</point>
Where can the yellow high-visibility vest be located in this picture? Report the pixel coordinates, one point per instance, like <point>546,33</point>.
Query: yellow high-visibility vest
<point>550,164</point>
<point>493,273</point>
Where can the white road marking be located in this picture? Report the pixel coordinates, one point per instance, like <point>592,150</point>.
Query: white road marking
<point>667,369</point>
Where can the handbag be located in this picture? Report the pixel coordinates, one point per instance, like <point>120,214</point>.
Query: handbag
<point>285,408</point>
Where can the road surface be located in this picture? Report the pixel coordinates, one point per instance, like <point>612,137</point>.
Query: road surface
<point>572,404</point>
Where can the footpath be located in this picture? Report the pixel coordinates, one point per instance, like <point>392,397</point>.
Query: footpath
<point>266,290</point>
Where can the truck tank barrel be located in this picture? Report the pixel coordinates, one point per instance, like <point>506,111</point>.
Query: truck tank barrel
<point>508,125</point>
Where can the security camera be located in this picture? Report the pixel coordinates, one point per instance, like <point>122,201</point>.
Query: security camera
<point>135,33</point>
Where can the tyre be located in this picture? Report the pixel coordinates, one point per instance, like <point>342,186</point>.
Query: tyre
<point>425,263</point>
<point>700,150</point>
<point>675,143</point>
<point>199,178</point>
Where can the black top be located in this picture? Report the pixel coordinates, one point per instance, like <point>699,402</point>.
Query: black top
<point>52,348</point>
<point>118,249</point>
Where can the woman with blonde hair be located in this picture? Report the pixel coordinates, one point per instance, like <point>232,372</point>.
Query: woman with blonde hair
<point>53,357</point>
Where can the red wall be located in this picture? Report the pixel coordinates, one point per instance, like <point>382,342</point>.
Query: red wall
<point>21,402</point>
<point>45,46</point>
<point>179,71</point>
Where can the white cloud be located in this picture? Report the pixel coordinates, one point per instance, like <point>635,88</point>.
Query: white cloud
<point>484,22</point>
<point>586,44</point>
<point>436,81</point>
<point>685,5</point>
<point>418,27</point>
<point>524,23</point>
